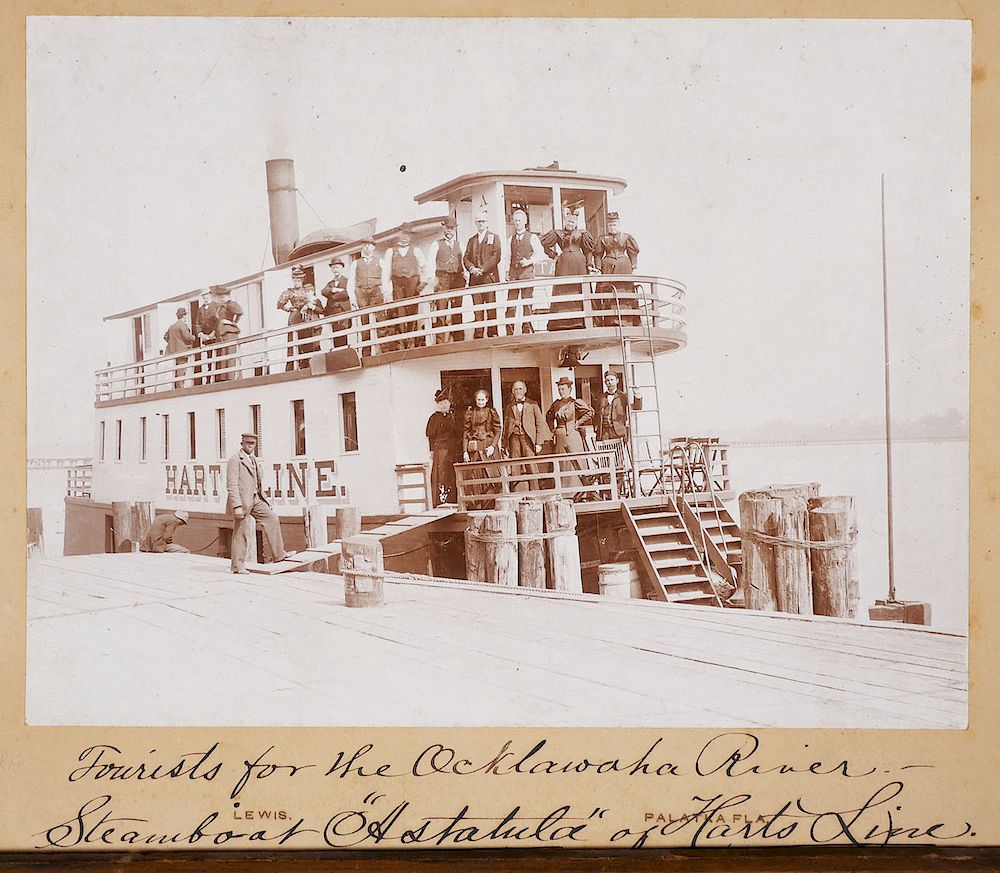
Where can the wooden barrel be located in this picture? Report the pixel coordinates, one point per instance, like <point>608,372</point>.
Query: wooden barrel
<point>615,581</point>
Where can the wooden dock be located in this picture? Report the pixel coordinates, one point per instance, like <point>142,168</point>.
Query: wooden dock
<point>139,639</point>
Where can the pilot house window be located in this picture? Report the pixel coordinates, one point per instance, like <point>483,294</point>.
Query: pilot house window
<point>299,427</point>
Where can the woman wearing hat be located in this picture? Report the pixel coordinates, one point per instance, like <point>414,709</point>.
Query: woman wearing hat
<point>575,257</point>
<point>616,253</point>
<point>481,439</point>
<point>228,329</point>
<point>292,301</point>
<point>566,416</point>
<point>443,437</point>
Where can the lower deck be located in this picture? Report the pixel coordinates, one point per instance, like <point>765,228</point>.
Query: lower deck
<point>177,640</point>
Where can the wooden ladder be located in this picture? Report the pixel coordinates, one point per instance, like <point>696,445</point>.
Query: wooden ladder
<point>674,570</point>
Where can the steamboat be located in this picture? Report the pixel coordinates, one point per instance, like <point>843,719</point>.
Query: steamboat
<point>628,618</point>
<point>340,408</point>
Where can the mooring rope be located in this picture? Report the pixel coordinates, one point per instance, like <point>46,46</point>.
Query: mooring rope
<point>819,545</point>
<point>500,537</point>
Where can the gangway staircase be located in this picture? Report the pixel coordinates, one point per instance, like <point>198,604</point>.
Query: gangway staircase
<point>309,558</point>
<point>671,565</point>
<point>715,533</point>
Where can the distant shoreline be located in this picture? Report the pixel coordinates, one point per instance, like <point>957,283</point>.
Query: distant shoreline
<point>763,443</point>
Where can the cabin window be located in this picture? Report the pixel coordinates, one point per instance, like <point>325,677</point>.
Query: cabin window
<point>591,207</point>
<point>192,437</point>
<point>100,442</point>
<point>142,438</point>
<point>535,201</point>
<point>299,427</point>
<point>255,427</point>
<point>349,421</point>
<point>220,425</point>
<point>250,299</point>
<point>166,437</point>
<point>118,440</point>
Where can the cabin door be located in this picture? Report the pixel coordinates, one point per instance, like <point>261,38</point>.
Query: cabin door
<point>462,386</point>
<point>531,378</point>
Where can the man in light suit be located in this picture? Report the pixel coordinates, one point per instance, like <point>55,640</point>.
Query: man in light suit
<point>482,260</point>
<point>243,483</point>
<point>524,431</point>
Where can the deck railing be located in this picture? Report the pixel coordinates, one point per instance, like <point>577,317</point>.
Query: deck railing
<point>579,476</point>
<point>560,304</point>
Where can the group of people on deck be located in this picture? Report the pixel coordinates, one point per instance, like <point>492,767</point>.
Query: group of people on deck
<point>404,273</point>
<point>481,436</point>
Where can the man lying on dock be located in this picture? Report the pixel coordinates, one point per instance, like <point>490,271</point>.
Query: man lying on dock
<point>160,536</point>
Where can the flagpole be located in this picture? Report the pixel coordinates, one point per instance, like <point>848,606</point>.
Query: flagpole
<point>888,412</point>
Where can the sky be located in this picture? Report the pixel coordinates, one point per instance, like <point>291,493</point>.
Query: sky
<point>752,150</point>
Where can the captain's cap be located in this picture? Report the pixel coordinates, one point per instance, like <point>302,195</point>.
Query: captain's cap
<point>337,262</point>
<point>248,436</point>
<point>368,241</point>
<point>297,272</point>
<point>565,380</point>
<point>450,221</point>
<point>181,515</point>
<point>181,311</point>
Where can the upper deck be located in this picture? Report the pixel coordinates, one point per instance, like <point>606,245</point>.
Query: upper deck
<point>577,313</point>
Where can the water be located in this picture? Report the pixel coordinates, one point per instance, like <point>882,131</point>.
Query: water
<point>930,512</point>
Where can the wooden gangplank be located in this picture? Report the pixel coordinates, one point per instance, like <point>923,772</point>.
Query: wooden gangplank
<point>309,558</point>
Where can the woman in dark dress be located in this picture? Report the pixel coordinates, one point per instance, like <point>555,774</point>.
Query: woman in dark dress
<point>575,257</point>
<point>616,253</point>
<point>566,417</point>
<point>481,440</point>
<point>443,438</point>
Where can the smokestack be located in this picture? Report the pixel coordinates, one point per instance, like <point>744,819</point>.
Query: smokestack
<point>283,207</point>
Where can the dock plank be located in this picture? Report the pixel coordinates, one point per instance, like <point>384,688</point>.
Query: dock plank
<point>203,646</point>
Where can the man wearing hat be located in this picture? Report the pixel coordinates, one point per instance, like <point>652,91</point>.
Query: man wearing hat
<point>405,265</point>
<point>368,289</point>
<point>337,300</point>
<point>293,300</point>
<point>180,339</point>
<point>616,253</point>
<point>482,258</point>
<point>446,257</point>
<point>160,536</point>
<point>243,484</point>
<point>443,436</point>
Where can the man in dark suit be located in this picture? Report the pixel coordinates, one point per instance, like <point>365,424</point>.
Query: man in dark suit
<point>337,300</point>
<point>180,339</point>
<point>612,411</point>
<point>482,258</point>
<point>524,431</point>
<point>243,483</point>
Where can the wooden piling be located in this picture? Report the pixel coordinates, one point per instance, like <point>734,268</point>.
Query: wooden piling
<point>564,550</point>
<point>500,556</point>
<point>36,535</point>
<point>791,562</point>
<point>143,515</point>
<point>531,546</point>
<point>348,522</point>
<point>506,502</point>
<point>314,522</point>
<point>121,522</point>
<point>475,548</point>
<point>363,569</point>
<point>758,514</point>
<point>834,562</point>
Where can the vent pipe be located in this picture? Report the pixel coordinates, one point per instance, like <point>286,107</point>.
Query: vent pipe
<point>283,207</point>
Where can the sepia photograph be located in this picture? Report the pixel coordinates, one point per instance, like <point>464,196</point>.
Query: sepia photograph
<point>498,373</point>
